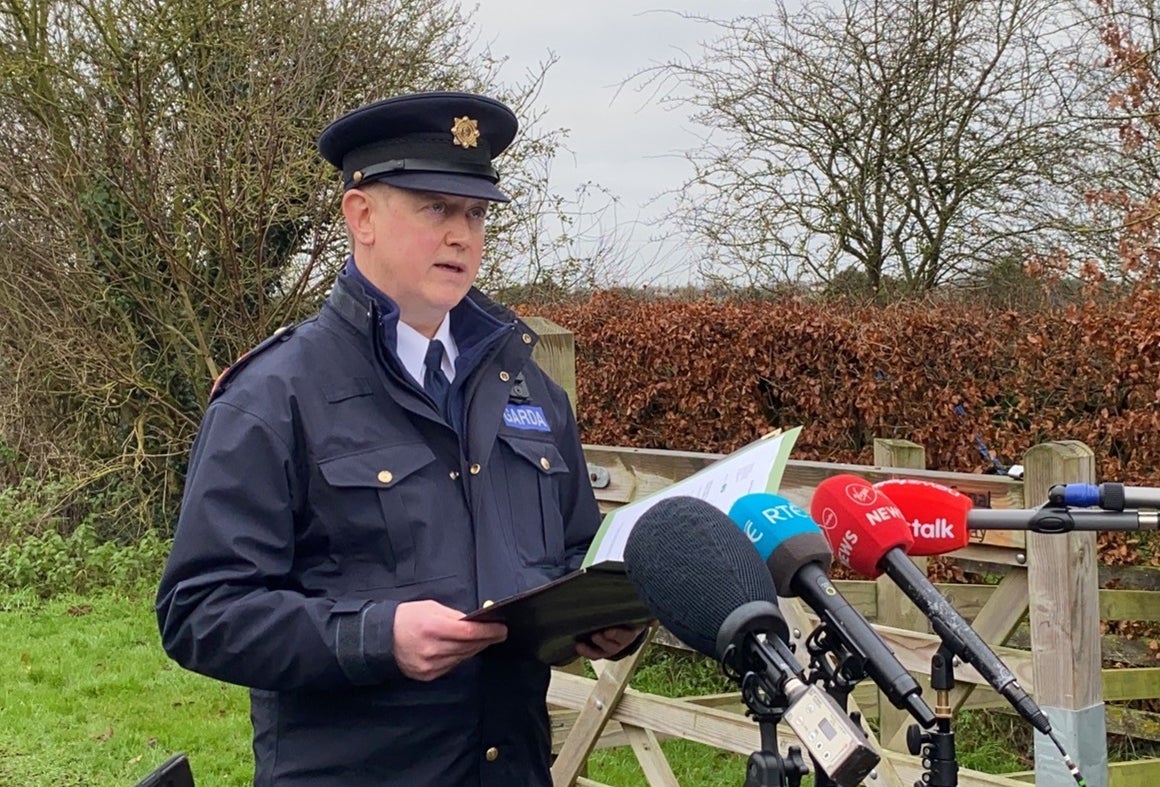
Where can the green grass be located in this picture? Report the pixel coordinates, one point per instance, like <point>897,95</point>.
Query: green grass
<point>88,699</point>
<point>992,742</point>
<point>674,674</point>
<point>692,763</point>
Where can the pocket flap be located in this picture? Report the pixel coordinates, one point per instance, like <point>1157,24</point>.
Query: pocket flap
<point>545,456</point>
<point>341,388</point>
<point>381,467</point>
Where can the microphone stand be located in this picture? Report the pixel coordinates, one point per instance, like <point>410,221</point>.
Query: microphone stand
<point>773,686</point>
<point>752,658</point>
<point>766,767</point>
<point>838,676</point>
<point>937,746</point>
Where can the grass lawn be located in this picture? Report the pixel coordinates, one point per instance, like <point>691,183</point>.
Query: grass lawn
<point>87,697</point>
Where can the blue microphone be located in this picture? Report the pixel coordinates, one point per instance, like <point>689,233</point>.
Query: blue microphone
<point>798,556</point>
<point>1109,495</point>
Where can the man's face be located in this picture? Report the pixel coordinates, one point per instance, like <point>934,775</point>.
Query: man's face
<point>426,251</point>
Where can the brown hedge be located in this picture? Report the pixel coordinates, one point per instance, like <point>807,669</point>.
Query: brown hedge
<point>711,375</point>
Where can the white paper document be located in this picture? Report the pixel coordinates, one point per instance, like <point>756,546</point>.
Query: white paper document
<point>756,467</point>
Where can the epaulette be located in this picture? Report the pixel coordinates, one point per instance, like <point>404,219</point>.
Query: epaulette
<point>222,381</point>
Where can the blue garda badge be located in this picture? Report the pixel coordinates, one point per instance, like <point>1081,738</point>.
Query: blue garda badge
<point>526,416</point>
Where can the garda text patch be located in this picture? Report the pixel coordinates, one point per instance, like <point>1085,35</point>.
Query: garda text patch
<point>526,416</point>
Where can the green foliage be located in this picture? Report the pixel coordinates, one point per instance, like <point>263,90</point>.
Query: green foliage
<point>54,540</point>
<point>678,673</point>
<point>50,564</point>
<point>31,507</point>
<point>8,455</point>
<point>993,742</point>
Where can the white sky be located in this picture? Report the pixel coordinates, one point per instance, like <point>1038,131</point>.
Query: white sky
<point>619,137</point>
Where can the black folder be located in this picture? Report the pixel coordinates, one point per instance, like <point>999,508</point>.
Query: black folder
<point>174,772</point>
<point>547,621</point>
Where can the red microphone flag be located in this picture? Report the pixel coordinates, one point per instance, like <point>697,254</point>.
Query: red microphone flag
<point>937,514</point>
<point>861,523</point>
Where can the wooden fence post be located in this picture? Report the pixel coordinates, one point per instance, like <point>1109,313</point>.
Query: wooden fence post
<point>556,354</point>
<point>1065,625</point>
<point>894,608</point>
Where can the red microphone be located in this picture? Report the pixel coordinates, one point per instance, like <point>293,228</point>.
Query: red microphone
<point>937,514</point>
<point>861,523</point>
<point>867,531</point>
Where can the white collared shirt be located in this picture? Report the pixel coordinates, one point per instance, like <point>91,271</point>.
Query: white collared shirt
<point>412,349</point>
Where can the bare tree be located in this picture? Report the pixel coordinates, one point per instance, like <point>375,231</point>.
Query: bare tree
<point>1126,191</point>
<point>900,140</point>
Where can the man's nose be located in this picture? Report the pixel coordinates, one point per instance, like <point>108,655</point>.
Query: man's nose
<point>458,229</point>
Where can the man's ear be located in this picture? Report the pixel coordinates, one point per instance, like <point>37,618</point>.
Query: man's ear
<point>357,208</point>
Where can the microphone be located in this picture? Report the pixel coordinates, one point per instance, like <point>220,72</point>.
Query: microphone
<point>937,514</point>
<point>941,518</point>
<point>872,536</point>
<point>699,576</point>
<point>798,556</point>
<point>1111,496</point>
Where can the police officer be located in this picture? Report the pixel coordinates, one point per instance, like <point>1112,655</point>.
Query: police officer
<point>361,481</point>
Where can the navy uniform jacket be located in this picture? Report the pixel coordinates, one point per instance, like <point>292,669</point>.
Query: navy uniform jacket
<point>323,490</point>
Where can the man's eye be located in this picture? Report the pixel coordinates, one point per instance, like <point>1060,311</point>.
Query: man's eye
<point>439,207</point>
<point>479,214</point>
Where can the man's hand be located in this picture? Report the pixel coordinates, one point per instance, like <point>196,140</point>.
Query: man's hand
<point>431,639</point>
<point>608,642</point>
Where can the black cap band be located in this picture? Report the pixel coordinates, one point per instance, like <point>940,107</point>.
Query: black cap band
<point>422,153</point>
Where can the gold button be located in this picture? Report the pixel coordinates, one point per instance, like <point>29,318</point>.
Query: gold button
<point>357,177</point>
<point>527,338</point>
<point>385,476</point>
<point>492,754</point>
<point>474,469</point>
<point>454,475</point>
<point>487,603</point>
<point>544,463</point>
<point>504,376</point>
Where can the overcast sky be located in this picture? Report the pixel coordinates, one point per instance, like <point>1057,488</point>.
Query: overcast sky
<point>619,137</point>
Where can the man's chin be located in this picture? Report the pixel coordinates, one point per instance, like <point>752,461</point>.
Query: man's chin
<point>446,298</point>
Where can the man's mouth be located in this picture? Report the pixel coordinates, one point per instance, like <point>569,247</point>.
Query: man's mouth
<point>451,266</point>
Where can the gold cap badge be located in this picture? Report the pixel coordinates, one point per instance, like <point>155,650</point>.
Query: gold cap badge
<point>465,132</point>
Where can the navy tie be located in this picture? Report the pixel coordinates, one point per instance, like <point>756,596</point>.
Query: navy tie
<point>434,380</point>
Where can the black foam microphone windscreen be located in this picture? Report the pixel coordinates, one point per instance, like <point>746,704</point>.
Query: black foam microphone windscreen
<point>692,566</point>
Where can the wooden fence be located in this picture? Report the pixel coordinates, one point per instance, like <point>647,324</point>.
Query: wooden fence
<point>1052,580</point>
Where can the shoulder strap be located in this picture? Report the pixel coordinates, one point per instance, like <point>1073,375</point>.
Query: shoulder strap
<point>223,379</point>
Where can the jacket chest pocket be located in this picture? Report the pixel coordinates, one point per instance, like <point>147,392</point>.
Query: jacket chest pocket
<point>534,470</point>
<point>381,505</point>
